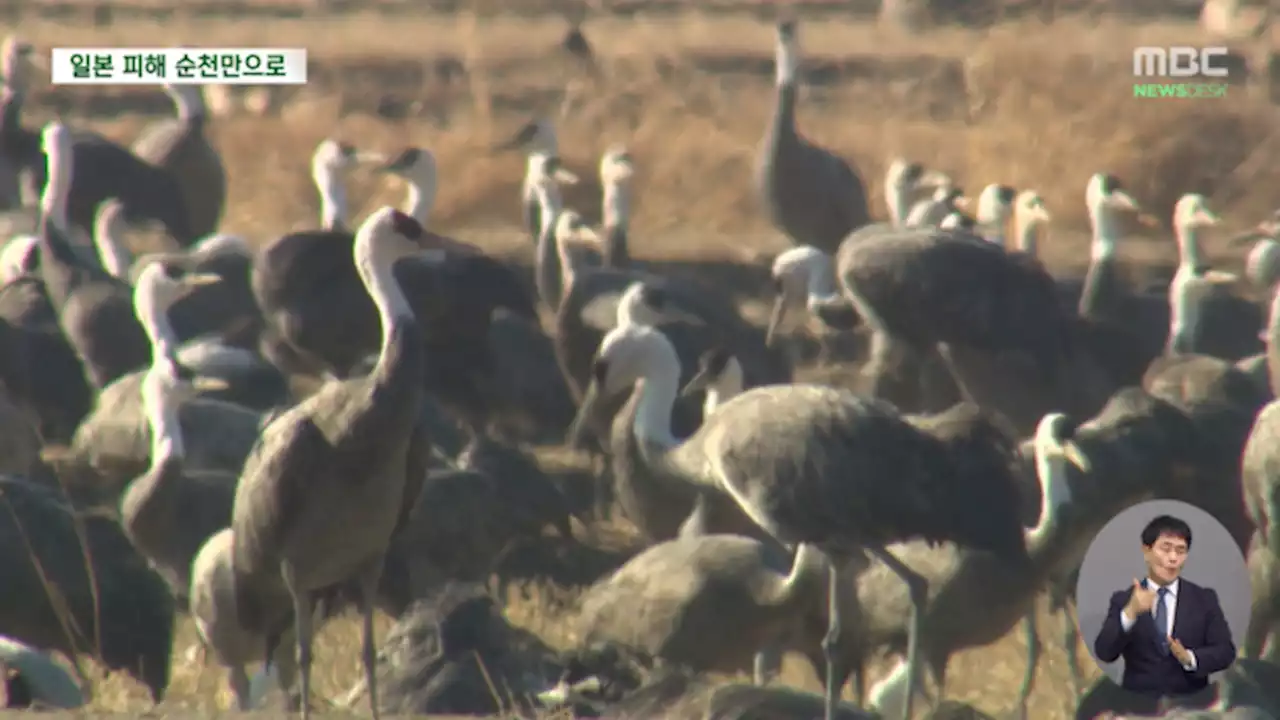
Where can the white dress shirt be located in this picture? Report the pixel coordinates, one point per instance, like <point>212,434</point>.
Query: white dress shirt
<point>1170,606</point>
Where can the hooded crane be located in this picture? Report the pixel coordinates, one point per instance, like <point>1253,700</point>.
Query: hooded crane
<point>1030,215</point>
<point>1262,264</point>
<point>15,191</point>
<point>821,466</point>
<point>539,137</point>
<point>906,286</point>
<point>95,310</point>
<point>957,220</point>
<point>1142,316</point>
<point>316,305</point>
<point>947,199</point>
<point>227,309</point>
<point>464,522</point>
<point>212,607</point>
<point>60,391</point>
<point>692,317</point>
<point>1271,358</point>
<point>975,598</point>
<point>660,508</point>
<point>181,146</point>
<point>1262,498</point>
<point>1203,316</point>
<point>20,439</point>
<point>904,181</point>
<point>322,494</point>
<point>566,245</point>
<point>710,604</point>
<point>1193,315</point>
<point>47,684</point>
<point>995,207</point>
<point>170,511</point>
<point>285,268</point>
<point>809,194</point>
<point>107,170</point>
<point>114,440</point>
<point>19,257</point>
<point>616,175</point>
<point>925,288</point>
<point>74,584</point>
<point>221,304</point>
<point>417,166</point>
<point>1103,295</point>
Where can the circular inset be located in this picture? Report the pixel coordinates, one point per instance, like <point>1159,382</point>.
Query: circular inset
<point>1116,558</point>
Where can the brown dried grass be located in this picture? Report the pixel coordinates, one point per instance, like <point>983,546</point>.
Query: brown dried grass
<point>1044,108</point>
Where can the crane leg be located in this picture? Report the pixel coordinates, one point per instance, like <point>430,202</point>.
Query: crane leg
<point>765,665</point>
<point>1071,642</point>
<point>1033,661</point>
<point>836,650</point>
<point>239,680</point>
<point>303,622</point>
<point>831,643</point>
<point>284,666</point>
<point>918,591</point>
<point>603,485</point>
<point>368,596</point>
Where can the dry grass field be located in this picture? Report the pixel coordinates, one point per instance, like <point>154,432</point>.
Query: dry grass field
<point>1027,104</point>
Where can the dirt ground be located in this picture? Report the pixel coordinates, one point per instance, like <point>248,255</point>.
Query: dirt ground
<point>1026,104</point>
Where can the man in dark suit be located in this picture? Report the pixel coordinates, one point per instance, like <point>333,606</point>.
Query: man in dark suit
<point>1170,631</point>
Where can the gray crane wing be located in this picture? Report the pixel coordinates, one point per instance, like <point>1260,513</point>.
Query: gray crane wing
<point>816,464</point>
<point>290,455</point>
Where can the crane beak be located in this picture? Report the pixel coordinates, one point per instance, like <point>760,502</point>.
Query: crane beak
<point>696,383</point>
<point>370,158</point>
<point>1076,456</point>
<point>558,695</point>
<point>200,279</point>
<point>205,383</point>
<point>776,316</point>
<point>563,692</point>
<point>565,177</point>
<point>1219,277</point>
<point>933,178</point>
<point>1124,201</point>
<point>1148,220</point>
<point>617,174</point>
<point>579,429</point>
<point>1204,217</point>
<point>589,235</point>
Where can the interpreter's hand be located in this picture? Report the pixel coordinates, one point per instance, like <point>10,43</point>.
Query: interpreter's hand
<point>1179,652</point>
<point>1142,600</point>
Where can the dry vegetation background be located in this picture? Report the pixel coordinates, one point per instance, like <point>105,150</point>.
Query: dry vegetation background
<point>1023,103</point>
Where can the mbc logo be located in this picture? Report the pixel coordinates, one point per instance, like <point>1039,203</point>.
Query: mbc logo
<point>1179,62</point>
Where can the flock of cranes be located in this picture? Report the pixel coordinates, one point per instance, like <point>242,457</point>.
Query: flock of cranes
<point>1005,415</point>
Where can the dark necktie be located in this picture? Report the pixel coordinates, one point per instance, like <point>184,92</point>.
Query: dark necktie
<point>1162,619</point>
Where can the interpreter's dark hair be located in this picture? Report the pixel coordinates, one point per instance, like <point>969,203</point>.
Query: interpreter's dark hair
<point>1166,525</point>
